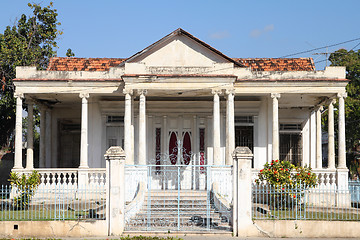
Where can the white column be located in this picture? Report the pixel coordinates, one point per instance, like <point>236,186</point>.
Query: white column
<point>132,139</point>
<point>30,137</point>
<point>48,138</point>
<point>342,140</point>
<point>142,127</point>
<point>318,139</point>
<point>216,127</point>
<point>127,126</point>
<point>84,131</point>
<point>18,131</point>
<point>230,127</point>
<point>275,120</point>
<point>42,138</point>
<point>165,137</point>
<point>331,142</point>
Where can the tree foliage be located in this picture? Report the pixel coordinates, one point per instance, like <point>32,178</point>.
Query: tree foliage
<point>70,53</point>
<point>30,42</point>
<point>281,174</point>
<point>25,186</point>
<point>351,60</point>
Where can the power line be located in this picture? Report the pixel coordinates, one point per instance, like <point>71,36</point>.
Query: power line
<point>338,53</point>
<point>314,49</point>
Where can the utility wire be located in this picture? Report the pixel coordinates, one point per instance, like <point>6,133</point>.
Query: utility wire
<point>314,49</point>
<point>338,53</point>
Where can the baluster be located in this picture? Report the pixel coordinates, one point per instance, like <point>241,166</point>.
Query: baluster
<point>51,176</point>
<point>56,178</point>
<point>42,178</point>
<point>91,178</point>
<point>102,179</point>
<point>321,179</point>
<point>61,178</point>
<point>66,178</point>
<point>75,178</point>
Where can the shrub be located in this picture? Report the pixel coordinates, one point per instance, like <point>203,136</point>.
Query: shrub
<point>283,173</point>
<point>26,186</point>
<point>287,183</point>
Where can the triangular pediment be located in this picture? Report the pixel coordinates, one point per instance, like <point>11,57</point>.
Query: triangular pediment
<point>180,49</point>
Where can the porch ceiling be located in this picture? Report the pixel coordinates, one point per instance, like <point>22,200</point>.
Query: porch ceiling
<point>290,100</point>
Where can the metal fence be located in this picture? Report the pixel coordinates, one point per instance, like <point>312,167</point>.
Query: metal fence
<point>301,203</point>
<point>58,202</point>
<point>181,198</point>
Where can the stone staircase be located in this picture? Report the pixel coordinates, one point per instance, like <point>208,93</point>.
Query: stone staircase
<point>172,210</point>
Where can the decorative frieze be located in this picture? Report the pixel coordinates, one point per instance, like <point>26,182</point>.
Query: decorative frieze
<point>178,70</point>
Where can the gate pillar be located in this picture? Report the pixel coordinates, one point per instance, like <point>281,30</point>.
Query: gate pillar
<point>242,191</point>
<point>115,190</point>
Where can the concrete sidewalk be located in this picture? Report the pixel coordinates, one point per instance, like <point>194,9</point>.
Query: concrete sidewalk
<point>202,236</point>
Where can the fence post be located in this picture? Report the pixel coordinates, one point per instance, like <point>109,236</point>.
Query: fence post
<point>343,198</point>
<point>242,190</point>
<point>115,190</point>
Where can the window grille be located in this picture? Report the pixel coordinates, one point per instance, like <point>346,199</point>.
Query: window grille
<point>115,119</point>
<point>244,119</point>
<point>290,127</point>
<point>291,148</point>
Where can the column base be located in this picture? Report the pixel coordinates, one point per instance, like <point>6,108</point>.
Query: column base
<point>83,179</point>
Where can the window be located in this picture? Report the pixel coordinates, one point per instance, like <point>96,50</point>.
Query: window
<point>290,143</point>
<point>244,132</point>
<point>115,131</point>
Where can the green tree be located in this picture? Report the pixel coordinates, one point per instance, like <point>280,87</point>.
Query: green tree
<point>70,53</point>
<point>351,60</point>
<point>30,42</point>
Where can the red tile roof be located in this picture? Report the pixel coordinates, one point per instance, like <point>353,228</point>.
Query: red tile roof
<point>83,64</point>
<point>278,64</point>
<point>256,64</point>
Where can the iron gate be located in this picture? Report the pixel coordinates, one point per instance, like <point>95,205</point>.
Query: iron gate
<point>179,198</point>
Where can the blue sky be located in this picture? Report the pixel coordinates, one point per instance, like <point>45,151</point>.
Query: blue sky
<point>257,28</point>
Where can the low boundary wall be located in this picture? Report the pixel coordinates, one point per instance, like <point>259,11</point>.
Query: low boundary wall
<point>53,229</point>
<point>306,229</point>
<point>260,228</point>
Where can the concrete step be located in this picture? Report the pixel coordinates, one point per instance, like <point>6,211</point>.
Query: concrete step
<point>181,210</point>
<point>178,193</point>
<point>176,202</point>
<point>175,196</point>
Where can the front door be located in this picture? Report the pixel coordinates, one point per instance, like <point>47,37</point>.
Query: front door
<point>180,148</point>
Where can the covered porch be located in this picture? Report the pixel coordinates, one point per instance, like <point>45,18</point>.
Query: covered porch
<point>194,126</point>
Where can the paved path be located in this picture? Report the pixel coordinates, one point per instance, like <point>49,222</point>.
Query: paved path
<point>208,237</point>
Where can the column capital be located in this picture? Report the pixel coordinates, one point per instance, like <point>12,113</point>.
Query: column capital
<point>342,95</point>
<point>319,108</point>
<point>19,95</point>
<point>128,91</point>
<point>84,95</point>
<point>216,91</point>
<point>332,101</point>
<point>230,91</point>
<point>141,91</point>
<point>275,95</point>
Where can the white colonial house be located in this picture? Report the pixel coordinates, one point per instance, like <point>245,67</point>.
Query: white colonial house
<point>183,99</point>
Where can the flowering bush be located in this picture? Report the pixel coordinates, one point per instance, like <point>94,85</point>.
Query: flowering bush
<point>282,173</point>
<point>286,183</point>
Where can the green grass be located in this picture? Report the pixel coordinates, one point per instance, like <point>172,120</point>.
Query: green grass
<point>310,215</point>
<point>121,238</point>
